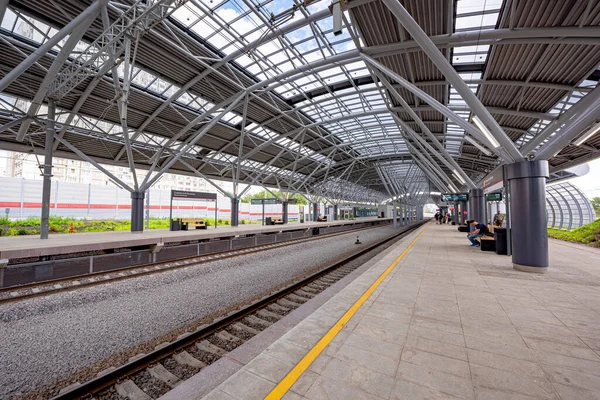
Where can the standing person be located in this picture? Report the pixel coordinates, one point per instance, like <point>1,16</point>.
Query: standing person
<point>480,230</point>
<point>437,217</point>
<point>498,219</point>
<point>447,217</point>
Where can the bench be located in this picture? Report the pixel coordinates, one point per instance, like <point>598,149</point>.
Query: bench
<point>198,223</point>
<point>322,218</point>
<point>487,242</point>
<point>276,221</point>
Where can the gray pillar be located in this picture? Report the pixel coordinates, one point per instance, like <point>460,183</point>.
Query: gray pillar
<point>335,212</point>
<point>235,211</point>
<point>394,215</point>
<point>315,211</point>
<point>137,211</point>
<point>419,213</point>
<point>477,205</point>
<point>47,183</point>
<point>284,207</point>
<point>529,233</point>
<point>148,209</point>
<point>3,5</point>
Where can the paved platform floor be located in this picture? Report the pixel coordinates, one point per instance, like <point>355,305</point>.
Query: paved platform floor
<point>33,246</point>
<point>449,321</point>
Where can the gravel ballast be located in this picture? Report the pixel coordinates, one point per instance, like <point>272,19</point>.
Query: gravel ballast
<point>52,338</point>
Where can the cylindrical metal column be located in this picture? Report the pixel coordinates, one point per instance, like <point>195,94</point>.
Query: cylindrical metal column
<point>137,211</point>
<point>47,182</point>
<point>394,215</point>
<point>148,209</point>
<point>477,205</point>
<point>529,233</point>
<point>3,6</point>
<point>315,211</point>
<point>335,212</point>
<point>235,211</point>
<point>284,207</point>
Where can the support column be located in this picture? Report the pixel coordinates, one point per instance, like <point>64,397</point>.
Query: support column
<point>148,209</point>
<point>529,233</point>
<point>47,183</point>
<point>477,205</point>
<point>335,212</point>
<point>394,215</point>
<point>235,212</point>
<point>137,211</point>
<point>315,211</point>
<point>419,213</point>
<point>284,207</point>
<point>3,6</point>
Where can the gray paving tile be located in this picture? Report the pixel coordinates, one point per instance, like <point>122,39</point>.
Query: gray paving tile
<point>505,363</point>
<point>359,377</point>
<point>367,359</point>
<point>404,390</point>
<point>436,380</point>
<point>246,386</point>
<point>491,378</point>
<point>436,362</point>
<point>331,389</point>
<point>269,368</point>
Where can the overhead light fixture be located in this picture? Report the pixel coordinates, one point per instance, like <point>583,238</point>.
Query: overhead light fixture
<point>479,147</point>
<point>486,132</point>
<point>593,130</point>
<point>457,176</point>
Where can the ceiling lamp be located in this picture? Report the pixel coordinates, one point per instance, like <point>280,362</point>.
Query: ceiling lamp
<point>593,130</point>
<point>486,132</point>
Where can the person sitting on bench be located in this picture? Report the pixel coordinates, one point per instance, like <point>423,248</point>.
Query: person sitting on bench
<point>480,230</point>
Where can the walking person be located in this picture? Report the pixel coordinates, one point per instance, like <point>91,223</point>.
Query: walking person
<point>437,217</point>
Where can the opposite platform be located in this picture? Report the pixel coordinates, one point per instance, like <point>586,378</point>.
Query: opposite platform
<point>449,321</point>
<point>32,246</point>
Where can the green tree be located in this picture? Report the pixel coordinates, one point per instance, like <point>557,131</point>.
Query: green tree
<point>596,205</point>
<point>263,194</point>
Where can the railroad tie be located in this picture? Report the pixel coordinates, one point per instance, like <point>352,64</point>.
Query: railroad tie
<point>208,347</point>
<point>162,374</point>
<point>131,391</point>
<point>185,358</point>
<point>243,327</point>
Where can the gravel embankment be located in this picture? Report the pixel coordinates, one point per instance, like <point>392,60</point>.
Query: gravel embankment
<point>51,338</point>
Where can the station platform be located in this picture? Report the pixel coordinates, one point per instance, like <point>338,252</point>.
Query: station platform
<point>434,318</point>
<point>32,246</point>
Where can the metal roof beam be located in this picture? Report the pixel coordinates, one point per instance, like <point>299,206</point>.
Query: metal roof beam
<point>446,68</point>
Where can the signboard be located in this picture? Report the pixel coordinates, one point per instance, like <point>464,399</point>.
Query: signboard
<point>448,197</point>
<point>494,180</point>
<point>264,201</point>
<point>183,195</point>
<point>497,196</point>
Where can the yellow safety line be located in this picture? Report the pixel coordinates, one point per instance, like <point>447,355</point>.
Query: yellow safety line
<point>291,378</point>
<point>575,247</point>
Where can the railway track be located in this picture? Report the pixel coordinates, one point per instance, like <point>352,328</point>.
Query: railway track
<point>150,375</point>
<point>43,288</point>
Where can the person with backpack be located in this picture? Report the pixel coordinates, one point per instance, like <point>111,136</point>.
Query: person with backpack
<point>480,230</point>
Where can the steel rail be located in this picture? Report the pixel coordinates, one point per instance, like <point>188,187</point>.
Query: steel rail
<point>139,363</point>
<point>154,267</point>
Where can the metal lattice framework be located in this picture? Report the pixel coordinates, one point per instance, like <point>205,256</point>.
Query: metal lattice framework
<point>567,207</point>
<point>264,92</point>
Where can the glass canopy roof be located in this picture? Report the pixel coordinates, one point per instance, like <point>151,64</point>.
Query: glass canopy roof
<point>356,115</point>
